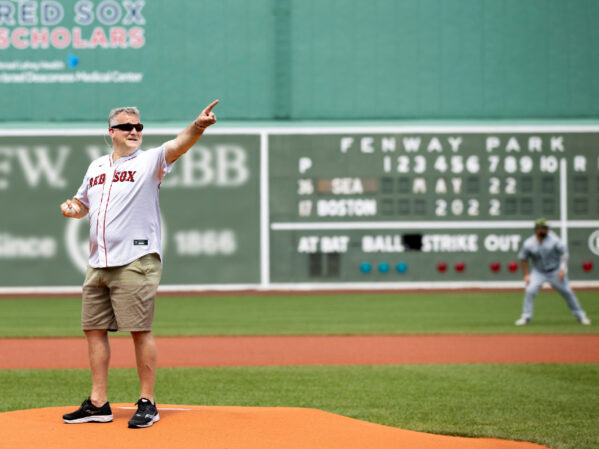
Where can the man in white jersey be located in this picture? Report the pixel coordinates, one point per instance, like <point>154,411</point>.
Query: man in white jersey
<point>120,194</point>
<point>549,256</point>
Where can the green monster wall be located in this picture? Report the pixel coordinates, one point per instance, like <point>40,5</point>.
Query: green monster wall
<point>300,59</point>
<point>310,208</point>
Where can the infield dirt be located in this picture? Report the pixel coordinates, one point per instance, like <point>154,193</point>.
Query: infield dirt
<point>30,353</point>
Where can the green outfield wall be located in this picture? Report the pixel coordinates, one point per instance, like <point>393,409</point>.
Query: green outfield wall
<point>318,208</point>
<point>209,204</point>
<point>299,59</point>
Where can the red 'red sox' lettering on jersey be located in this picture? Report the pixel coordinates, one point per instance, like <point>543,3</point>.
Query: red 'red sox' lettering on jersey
<point>123,176</point>
<point>98,180</point>
<point>119,176</point>
<point>122,198</point>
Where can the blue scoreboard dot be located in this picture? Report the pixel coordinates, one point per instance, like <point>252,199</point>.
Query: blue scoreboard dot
<point>401,267</point>
<point>384,267</point>
<point>365,267</point>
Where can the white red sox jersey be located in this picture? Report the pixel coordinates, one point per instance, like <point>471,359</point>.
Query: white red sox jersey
<point>122,198</point>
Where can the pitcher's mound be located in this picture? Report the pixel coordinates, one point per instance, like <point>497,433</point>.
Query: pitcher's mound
<point>187,427</point>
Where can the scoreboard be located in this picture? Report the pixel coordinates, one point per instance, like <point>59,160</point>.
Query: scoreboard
<point>419,206</point>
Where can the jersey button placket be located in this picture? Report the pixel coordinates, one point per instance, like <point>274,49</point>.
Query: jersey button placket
<point>102,211</point>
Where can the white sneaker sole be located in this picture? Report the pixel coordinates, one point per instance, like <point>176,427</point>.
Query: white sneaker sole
<point>142,426</point>
<point>101,418</point>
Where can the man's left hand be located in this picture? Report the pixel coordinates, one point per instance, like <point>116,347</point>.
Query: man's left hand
<point>206,117</point>
<point>561,274</point>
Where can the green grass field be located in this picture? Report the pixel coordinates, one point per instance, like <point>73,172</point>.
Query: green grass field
<point>553,404</point>
<point>366,313</point>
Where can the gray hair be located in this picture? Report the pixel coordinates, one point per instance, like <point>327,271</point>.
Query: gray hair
<point>127,109</point>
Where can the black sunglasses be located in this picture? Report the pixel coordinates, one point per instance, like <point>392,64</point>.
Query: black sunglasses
<point>129,126</point>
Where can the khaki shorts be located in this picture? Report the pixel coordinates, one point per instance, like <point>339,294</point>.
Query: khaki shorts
<point>121,298</point>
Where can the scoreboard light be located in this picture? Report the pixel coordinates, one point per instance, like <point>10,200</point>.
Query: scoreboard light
<point>460,266</point>
<point>441,267</point>
<point>495,267</point>
<point>513,266</point>
<point>587,265</point>
<point>365,267</point>
<point>384,267</point>
<point>401,267</point>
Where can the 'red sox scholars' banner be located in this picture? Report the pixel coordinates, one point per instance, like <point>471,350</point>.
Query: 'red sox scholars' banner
<point>42,25</point>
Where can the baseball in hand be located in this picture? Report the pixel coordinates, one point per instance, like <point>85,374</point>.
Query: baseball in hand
<point>71,209</point>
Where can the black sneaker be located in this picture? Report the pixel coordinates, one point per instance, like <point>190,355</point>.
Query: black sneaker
<point>88,412</point>
<point>146,415</point>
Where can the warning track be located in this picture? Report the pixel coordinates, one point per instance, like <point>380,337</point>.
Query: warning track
<point>43,353</point>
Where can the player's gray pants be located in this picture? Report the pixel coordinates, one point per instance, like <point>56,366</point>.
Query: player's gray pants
<point>537,279</point>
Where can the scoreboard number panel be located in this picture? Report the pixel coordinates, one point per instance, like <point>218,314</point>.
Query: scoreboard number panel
<point>401,206</point>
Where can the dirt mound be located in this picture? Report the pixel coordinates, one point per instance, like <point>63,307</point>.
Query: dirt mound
<point>187,427</point>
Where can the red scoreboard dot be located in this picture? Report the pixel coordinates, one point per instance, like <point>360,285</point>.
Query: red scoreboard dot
<point>442,267</point>
<point>587,265</point>
<point>460,266</point>
<point>513,266</point>
<point>495,267</point>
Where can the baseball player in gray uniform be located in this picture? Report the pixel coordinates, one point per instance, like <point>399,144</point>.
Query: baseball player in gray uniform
<point>119,193</point>
<point>549,257</point>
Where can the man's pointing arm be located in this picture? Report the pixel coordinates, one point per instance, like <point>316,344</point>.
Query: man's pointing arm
<point>190,135</point>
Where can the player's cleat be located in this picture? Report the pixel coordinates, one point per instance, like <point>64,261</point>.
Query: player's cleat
<point>88,412</point>
<point>146,415</point>
<point>522,321</point>
<point>584,320</point>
